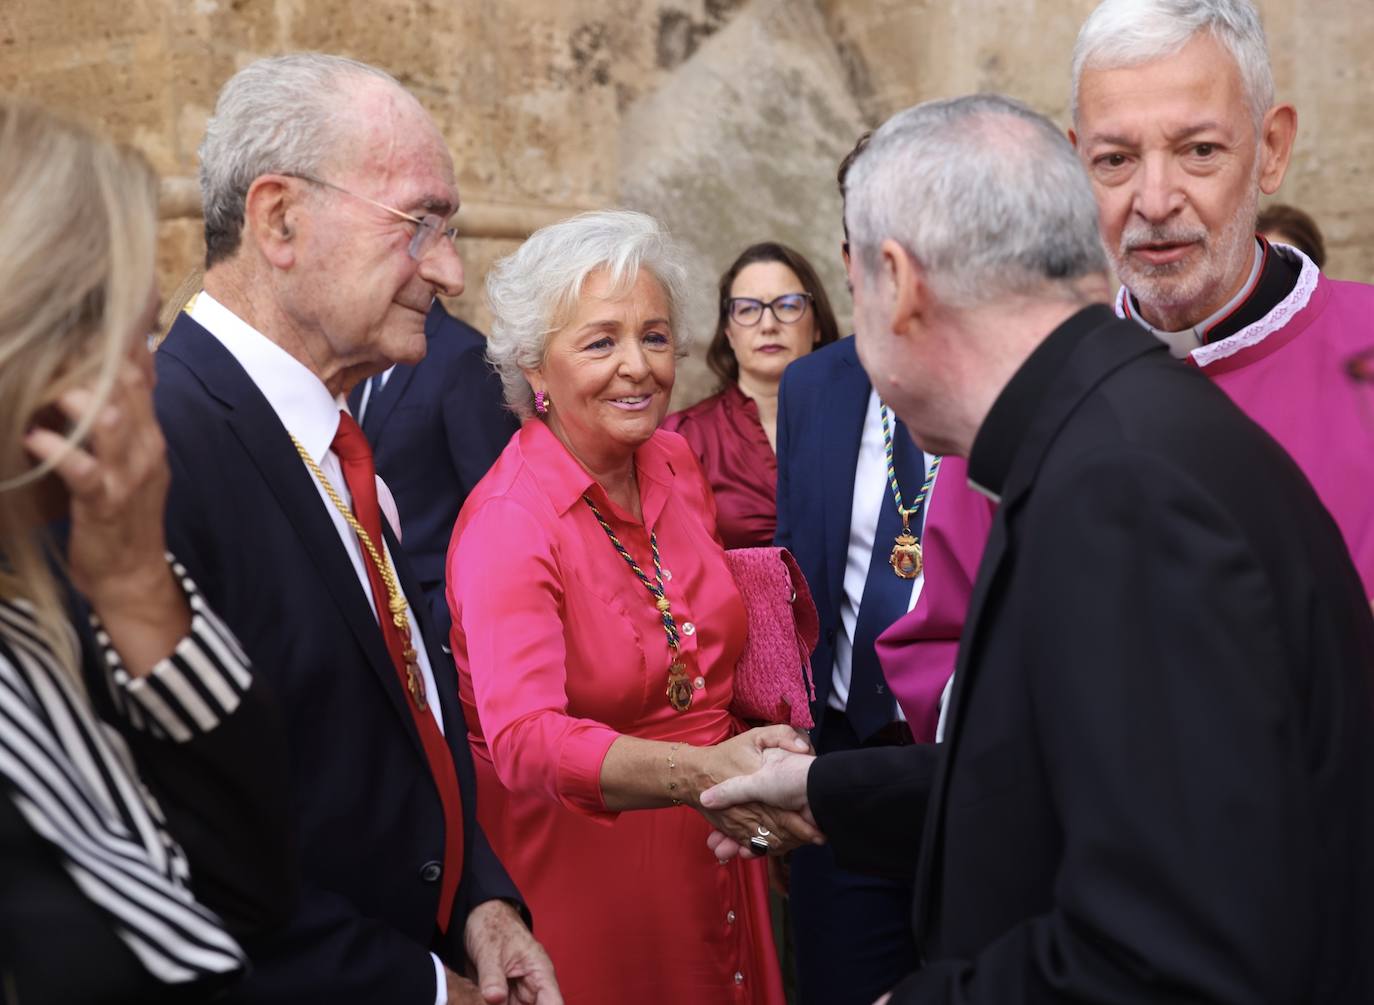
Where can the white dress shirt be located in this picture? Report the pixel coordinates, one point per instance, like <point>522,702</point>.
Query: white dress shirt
<point>871,487</point>
<point>311,414</point>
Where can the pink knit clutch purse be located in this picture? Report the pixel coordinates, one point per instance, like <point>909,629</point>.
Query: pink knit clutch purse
<point>773,676</point>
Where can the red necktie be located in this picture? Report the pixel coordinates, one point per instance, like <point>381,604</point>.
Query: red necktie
<point>361,476</point>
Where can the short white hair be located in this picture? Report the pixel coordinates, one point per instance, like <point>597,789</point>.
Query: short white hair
<point>1122,33</point>
<point>986,194</point>
<point>532,291</point>
<point>281,114</point>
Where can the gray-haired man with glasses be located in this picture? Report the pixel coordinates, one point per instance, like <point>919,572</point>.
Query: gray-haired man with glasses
<point>328,197</point>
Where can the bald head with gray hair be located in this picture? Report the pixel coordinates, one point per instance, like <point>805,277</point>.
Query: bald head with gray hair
<point>1122,33</point>
<point>283,115</point>
<point>986,194</point>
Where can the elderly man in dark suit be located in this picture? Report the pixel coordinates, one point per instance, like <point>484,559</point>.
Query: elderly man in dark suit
<point>435,427</point>
<point>1157,776</point>
<point>328,192</point>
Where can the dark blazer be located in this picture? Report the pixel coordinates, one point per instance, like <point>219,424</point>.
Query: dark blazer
<point>1157,783</point>
<point>821,408</point>
<point>435,429</point>
<point>245,517</point>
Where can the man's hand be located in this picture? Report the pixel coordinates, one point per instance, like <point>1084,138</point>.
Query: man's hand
<point>742,755</point>
<point>508,964</point>
<point>779,782</point>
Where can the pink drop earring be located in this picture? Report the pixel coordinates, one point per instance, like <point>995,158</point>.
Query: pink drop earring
<point>541,402</point>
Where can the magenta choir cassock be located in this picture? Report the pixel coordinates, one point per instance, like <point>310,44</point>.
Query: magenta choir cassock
<point>559,651</point>
<point>1286,371</point>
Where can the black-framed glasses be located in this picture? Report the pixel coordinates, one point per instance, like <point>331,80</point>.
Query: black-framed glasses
<point>788,309</point>
<point>428,228</point>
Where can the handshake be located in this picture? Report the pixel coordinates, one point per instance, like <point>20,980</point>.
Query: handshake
<point>758,803</point>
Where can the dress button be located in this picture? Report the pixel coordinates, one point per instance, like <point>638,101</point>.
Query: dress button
<point>699,683</point>
<point>689,629</point>
<point>739,977</point>
<point>667,575</point>
<point>730,917</point>
<point>431,871</point>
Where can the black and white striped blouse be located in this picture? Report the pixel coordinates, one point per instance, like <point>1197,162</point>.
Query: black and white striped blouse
<point>74,781</point>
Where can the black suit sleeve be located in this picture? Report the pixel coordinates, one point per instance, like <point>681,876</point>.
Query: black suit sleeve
<point>484,879</point>
<point>477,424</point>
<point>871,806</point>
<point>1165,723</point>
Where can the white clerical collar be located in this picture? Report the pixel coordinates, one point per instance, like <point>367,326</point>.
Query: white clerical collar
<point>300,399</point>
<point>1181,343</point>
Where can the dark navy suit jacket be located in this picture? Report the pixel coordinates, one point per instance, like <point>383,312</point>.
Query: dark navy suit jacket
<point>435,429</point>
<point>821,408</point>
<point>245,517</point>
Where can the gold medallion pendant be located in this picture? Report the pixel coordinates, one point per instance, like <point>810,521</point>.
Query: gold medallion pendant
<point>906,556</point>
<point>679,688</point>
<point>416,687</point>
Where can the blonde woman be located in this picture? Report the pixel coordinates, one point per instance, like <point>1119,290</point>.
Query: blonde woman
<point>141,830</point>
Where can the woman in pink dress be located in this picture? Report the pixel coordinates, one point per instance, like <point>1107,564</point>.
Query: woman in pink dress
<point>596,630</point>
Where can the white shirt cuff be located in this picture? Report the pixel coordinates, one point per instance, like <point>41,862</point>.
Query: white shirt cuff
<point>440,982</point>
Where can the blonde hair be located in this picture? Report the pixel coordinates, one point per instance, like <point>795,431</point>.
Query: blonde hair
<point>76,263</point>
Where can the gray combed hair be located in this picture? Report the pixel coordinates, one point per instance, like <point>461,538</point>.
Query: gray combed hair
<point>279,114</point>
<point>532,291</point>
<point>986,194</point>
<point>1120,33</point>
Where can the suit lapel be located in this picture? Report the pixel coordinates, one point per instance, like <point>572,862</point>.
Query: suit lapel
<point>254,423</point>
<point>843,428</point>
<point>381,406</point>
<point>1100,352</point>
<point>931,849</point>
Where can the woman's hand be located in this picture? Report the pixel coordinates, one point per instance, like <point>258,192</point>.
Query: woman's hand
<point>118,479</point>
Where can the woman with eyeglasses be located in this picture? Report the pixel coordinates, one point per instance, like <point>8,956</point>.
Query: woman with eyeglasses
<point>773,309</point>
<point>143,830</point>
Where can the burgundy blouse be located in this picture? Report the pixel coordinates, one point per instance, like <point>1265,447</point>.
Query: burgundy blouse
<point>725,433</point>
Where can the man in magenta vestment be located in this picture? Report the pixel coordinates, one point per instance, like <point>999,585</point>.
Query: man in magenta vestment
<point>1180,141</point>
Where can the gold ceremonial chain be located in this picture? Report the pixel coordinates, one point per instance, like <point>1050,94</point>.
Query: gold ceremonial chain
<point>679,690</point>
<point>906,558</point>
<point>396,600</point>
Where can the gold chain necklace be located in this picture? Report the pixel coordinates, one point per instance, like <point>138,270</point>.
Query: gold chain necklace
<point>396,600</point>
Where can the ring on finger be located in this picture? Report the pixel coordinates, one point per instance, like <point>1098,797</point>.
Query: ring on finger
<point>758,845</point>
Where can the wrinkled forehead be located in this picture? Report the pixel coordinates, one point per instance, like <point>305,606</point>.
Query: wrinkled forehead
<point>1170,95</point>
<point>389,149</point>
<point>1200,80</point>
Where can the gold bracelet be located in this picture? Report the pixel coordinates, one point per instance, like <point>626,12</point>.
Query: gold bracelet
<point>672,765</point>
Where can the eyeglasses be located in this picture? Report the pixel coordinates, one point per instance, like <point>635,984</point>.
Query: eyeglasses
<point>788,309</point>
<point>427,227</point>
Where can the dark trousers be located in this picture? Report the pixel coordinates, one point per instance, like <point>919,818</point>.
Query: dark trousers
<point>852,932</point>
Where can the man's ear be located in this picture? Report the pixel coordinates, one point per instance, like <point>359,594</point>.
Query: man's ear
<point>1073,139</point>
<point>911,298</point>
<point>269,210</point>
<point>1278,132</point>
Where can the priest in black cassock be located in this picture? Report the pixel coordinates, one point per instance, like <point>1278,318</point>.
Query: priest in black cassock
<point>1157,776</point>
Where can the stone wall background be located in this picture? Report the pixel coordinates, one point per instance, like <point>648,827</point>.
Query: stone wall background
<point>725,118</point>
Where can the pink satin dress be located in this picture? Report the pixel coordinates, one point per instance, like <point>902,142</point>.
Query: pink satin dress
<point>560,650</point>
